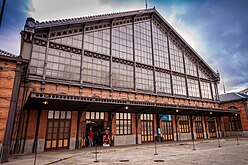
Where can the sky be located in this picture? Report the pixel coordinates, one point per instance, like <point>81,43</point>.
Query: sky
<point>216,29</point>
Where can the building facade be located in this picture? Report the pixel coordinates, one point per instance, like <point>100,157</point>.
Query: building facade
<point>12,68</point>
<point>129,73</point>
<point>236,124</point>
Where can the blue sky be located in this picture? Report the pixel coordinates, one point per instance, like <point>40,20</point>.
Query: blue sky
<point>216,29</point>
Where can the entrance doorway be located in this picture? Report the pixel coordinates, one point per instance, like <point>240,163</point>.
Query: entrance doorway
<point>199,127</point>
<point>97,126</point>
<point>95,121</point>
<point>167,128</point>
<point>211,127</point>
<point>147,127</point>
<point>58,130</point>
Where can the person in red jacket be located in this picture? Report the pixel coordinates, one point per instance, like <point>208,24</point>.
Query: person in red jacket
<point>91,136</point>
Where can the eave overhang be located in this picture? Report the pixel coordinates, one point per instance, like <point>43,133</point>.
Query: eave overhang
<point>63,102</point>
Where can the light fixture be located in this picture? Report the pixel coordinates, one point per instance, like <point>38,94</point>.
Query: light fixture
<point>211,113</point>
<point>126,107</point>
<point>236,114</point>
<point>176,110</point>
<point>45,102</point>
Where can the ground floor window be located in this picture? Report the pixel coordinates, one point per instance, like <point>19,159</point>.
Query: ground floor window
<point>235,123</point>
<point>184,124</point>
<point>123,123</point>
<point>95,115</point>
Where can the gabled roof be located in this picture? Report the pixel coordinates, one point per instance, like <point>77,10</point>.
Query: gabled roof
<point>244,90</point>
<point>79,20</point>
<point>232,97</point>
<point>10,57</point>
<point>92,18</point>
<point>4,53</point>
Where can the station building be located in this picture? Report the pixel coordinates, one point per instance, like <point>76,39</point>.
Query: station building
<point>128,72</point>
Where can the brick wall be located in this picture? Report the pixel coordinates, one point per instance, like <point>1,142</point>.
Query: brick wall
<point>239,105</point>
<point>6,85</point>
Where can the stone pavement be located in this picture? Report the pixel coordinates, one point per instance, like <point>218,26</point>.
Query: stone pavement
<point>207,152</point>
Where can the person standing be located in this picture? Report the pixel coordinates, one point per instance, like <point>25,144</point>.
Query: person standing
<point>91,136</point>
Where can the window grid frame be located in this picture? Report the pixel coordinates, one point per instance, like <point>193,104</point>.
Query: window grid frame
<point>123,117</point>
<point>184,124</point>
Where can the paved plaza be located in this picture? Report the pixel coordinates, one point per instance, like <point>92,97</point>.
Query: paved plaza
<point>179,153</point>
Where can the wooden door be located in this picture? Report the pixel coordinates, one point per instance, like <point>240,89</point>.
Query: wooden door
<point>167,130</point>
<point>211,127</point>
<point>58,130</point>
<point>199,127</point>
<point>147,127</point>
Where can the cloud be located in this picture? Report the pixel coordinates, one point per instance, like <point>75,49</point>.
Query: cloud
<point>57,9</point>
<point>221,29</point>
<point>14,17</point>
<point>215,29</point>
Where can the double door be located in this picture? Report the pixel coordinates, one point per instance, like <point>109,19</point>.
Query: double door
<point>199,127</point>
<point>167,130</point>
<point>147,128</point>
<point>211,127</point>
<point>58,130</point>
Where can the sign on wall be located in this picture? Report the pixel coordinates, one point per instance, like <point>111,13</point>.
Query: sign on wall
<point>166,117</point>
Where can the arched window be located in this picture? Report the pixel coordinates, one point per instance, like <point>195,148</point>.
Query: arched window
<point>234,121</point>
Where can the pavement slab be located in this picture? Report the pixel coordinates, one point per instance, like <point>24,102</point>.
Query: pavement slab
<point>177,153</point>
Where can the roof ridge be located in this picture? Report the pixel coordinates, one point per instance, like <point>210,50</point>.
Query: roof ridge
<point>239,94</point>
<point>89,17</point>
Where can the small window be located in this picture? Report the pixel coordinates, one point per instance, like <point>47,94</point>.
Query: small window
<point>50,114</point>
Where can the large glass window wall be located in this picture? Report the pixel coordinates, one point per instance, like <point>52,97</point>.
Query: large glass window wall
<point>202,75</point>
<point>193,88</point>
<point>72,41</point>
<point>122,42</point>
<point>144,79</point>
<point>143,45</point>
<point>179,86</point>
<point>37,61</point>
<point>163,83</point>
<point>191,68</point>
<point>176,56</point>
<point>161,58</point>
<point>98,41</point>
<point>214,92</point>
<point>63,65</point>
<point>122,75</point>
<point>206,90</point>
<point>96,71</point>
